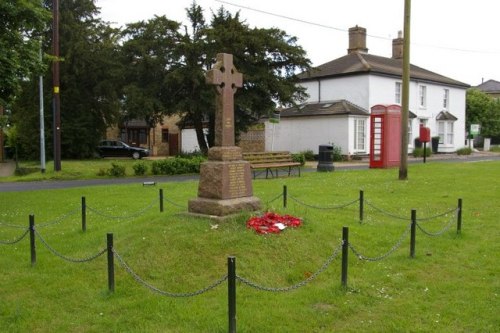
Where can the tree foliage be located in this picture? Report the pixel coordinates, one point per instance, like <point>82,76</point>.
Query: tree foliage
<point>268,59</point>
<point>484,110</point>
<point>90,76</point>
<point>21,24</point>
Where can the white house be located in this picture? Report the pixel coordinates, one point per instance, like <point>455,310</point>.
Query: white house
<point>342,91</point>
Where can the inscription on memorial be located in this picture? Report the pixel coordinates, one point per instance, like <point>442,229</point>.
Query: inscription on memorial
<point>237,184</point>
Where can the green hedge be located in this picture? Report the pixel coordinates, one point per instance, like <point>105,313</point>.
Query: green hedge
<point>177,166</point>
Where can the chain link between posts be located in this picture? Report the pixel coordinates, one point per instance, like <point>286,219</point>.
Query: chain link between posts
<point>74,260</point>
<point>326,207</point>
<point>59,219</point>
<point>274,199</point>
<point>109,216</point>
<point>298,285</point>
<point>386,212</point>
<point>442,231</point>
<point>385,255</point>
<point>138,279</point>
<point>173,203</point>
<point>17,240</point>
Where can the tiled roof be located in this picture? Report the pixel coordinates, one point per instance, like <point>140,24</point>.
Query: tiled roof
<point>490,86</point>
<point>357,63</point>
<point>327,108</point>
<point>445,115</point>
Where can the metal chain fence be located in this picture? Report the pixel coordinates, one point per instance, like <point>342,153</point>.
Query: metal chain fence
<point>326,207</point>
<point>442,231</point>
<point>385,255</point>
<point>298,285</point>
<point>59,219</point>
<point>138,279</point>
<point>274,199</point>
<point>17,240</point>
<point>453,210</point>
<point>173,203</point>
<point>386,212</point>
<point>75,260</point>
<point>12,225</point>
<point>138,213</point>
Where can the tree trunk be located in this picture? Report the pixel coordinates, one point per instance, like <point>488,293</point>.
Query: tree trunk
<point>200,135</point>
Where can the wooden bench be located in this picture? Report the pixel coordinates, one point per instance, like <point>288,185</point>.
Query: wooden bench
<point>271,162</point>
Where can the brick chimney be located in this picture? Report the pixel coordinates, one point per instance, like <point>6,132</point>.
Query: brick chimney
<point>357,40</point>
<point>397,46</point>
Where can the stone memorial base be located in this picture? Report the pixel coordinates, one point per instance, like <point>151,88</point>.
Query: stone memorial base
<point>225,186</point>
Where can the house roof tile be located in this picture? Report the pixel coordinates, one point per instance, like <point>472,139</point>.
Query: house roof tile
<point>490,86</point>
<point>357,63</point>
<point>326,108</point>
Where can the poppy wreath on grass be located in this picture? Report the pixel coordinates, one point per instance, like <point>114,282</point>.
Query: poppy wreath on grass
<point>272,223</point>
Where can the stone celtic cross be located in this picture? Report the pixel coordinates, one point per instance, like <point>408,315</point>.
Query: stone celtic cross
<point>226,79</point>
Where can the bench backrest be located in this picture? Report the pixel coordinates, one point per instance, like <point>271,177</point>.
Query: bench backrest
<point>268,157</point>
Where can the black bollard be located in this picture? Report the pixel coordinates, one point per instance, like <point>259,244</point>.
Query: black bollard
<point>161,200</point>
<point>32,240</point>
<point>111,262</point>
<point>84,214</point>
<point>459,217</point>
<point>361,205</point>
<point>345,253</point>
<point>413,230</point>
<point>285,194</point>
<point>231,293</point>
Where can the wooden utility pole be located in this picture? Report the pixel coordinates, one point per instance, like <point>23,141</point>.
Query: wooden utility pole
<point>55,82</point>
<point>403,166</point>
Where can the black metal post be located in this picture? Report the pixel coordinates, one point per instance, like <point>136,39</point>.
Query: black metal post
<point>425,150</point>
<point>459,217</point>
<point>285,194</point>
<point>161,200</point>
<point>84,214</point>
<point>32,240</point>
<point>231,293</point>
<point>111,262</point>
<point>413,230</point>
<point>361,205</point>
<point>345,253</point>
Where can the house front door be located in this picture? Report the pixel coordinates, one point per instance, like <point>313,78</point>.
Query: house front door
<point>173,144</point>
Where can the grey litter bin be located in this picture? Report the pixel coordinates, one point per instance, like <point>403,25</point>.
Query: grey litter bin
<point>325,158</point>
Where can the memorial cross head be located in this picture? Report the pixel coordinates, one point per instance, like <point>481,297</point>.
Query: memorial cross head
<point>226,79</point>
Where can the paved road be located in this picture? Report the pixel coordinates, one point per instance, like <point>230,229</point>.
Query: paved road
<point>310,167</point>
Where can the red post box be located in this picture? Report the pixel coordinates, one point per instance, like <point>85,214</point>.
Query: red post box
<point>425,134</point>
<point>385,139</point>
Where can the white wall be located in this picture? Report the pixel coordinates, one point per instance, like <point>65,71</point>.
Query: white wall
<point>189,142</point>
<point>353,89</point>
<point>300,134</point>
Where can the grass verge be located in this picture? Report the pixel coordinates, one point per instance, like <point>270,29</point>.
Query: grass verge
<point>451,285</point>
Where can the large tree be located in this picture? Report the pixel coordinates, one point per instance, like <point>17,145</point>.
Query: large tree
<point>148,54</point>
<point>90,76</point>
<point>21,25</point>
<point>484,110</point>
<point>268,59</point>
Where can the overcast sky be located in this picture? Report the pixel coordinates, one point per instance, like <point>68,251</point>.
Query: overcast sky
<point>458,39</point>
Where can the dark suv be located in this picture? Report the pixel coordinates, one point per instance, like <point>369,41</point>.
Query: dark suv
<point>112,148</point>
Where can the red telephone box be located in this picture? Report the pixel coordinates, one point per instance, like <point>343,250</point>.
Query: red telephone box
<point>385,139</point>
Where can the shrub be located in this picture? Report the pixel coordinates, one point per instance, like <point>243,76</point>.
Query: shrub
<point>140,168</point>
<point>116,170</point>
<point>337,153</point>
<point>464,151</point>
<point>308,155</point>
<point>102,172</point>
<point>419,152</point>
<point>177,165</point>
<point>299,157</point>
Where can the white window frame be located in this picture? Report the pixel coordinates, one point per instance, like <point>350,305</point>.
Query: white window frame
<point>446,99</point>
<point>397,92</point>
<point>446,132</point>
<point>359,142</point>
<point>422,96</point>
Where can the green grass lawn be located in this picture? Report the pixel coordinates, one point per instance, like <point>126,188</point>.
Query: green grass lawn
<point>452,285</point>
